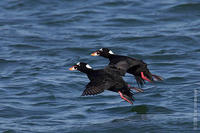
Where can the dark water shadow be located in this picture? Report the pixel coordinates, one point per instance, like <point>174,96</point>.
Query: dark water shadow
<point>151,109</point>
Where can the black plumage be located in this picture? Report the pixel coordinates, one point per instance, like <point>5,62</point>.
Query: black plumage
<point>104,79</point>
<point>124,64</point>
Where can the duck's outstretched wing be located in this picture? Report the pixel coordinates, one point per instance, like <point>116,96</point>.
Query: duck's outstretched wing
<point>94,88</point>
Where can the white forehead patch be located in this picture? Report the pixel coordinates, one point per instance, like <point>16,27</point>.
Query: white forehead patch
<point>110,52</point>
<point>88,66</point>
<point>78,63</point>
<point>101,49</point>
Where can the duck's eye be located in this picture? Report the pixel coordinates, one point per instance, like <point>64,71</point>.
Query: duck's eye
<point>75,67</point>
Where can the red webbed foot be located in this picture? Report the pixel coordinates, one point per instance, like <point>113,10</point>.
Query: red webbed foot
<point>126,98</point>
<point>144,77</point>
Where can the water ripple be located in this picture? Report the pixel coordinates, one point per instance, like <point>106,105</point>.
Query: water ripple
<point>40,40</point>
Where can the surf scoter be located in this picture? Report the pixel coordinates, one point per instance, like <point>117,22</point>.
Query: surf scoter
<point>127,64</point>
<point>104,79</point>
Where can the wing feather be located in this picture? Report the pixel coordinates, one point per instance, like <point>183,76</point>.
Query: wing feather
<point>93,88</point>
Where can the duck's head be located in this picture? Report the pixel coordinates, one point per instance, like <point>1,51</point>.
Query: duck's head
<point>105,52</point>
<point>81,66</point>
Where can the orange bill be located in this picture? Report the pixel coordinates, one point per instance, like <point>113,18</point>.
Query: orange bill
<point>72,68</point>
<point>94,54</point>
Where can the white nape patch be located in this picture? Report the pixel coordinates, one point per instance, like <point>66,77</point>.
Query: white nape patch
<point>88,66</point>
<point>101,49</point>
<point>110,52</point>
<point>78,63</point>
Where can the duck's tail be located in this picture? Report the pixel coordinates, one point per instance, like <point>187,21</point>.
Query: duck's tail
<point>159,78</point>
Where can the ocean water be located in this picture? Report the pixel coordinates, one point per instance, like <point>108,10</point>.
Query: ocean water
<point>40,40</point>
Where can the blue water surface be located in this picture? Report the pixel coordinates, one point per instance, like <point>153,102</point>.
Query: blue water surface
<point>40,40</point>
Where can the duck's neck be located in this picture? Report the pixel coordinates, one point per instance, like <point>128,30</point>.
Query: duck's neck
<point>86,71</point>
<point>109,56</point>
